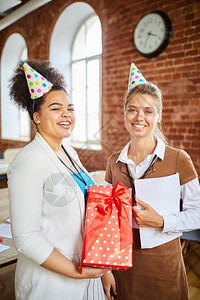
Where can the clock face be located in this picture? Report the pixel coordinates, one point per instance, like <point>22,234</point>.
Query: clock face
<point>151,35</point>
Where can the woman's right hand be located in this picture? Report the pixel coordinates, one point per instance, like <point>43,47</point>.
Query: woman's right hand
<point>57,262</point>
<point>90,272</point>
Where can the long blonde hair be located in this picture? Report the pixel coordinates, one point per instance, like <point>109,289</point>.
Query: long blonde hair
<point>155,92</point>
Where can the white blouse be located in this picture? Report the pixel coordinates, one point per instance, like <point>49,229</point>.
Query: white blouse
<point>186,220</point>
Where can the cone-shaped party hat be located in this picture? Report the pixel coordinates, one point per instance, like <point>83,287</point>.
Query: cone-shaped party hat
<point>38,85</point>
<point>135,77</point>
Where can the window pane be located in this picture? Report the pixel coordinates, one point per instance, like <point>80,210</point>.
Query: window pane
<point>24,124</point>
<point>79,50</point>
<point>9,111</point>
<point>79,132</point>
<point>93,37</point>
<point>78,75</point>
<point>93,72</point>
<point>24,54</point>
<point>79,101</point>
<point>93,127</point>
<point>86,83</point>
<point>93,86</point>
<point>93,100</point>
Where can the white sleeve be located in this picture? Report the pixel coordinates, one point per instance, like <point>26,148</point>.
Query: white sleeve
<point>25,185</point>
<point>189,218</point>
<point>107,183</point>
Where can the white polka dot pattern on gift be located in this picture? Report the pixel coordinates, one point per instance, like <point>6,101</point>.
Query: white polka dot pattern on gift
<point>38,85</point>
<point>106,248</point>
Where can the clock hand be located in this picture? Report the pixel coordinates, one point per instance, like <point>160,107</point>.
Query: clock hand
<point>146,40</point>
<point>149,33</point>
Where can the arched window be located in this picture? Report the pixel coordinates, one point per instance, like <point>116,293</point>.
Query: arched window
<point>86,83</point>
<point>15,123</point>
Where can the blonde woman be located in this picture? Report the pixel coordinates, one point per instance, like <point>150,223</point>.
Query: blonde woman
<point>157,272</point>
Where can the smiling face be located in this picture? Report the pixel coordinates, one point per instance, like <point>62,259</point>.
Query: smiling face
<point>56,119</point>
<point>141,116</point>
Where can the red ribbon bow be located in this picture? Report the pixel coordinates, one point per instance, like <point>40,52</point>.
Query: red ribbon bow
<point>122,198</point>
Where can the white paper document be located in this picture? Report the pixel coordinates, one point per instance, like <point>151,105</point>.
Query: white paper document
<point>3,247</point>
<point>163,194</point>
<point>5,231</point>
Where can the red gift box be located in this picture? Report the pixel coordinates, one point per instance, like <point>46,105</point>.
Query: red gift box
<point>108,228</point>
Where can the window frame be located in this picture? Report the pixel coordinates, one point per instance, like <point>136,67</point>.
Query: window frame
<point>88,144</point>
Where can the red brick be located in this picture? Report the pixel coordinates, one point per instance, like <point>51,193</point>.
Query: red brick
<point>187,46</point>
<point>196,22</point>
<point>189,16</point>
<point>169,70</point>
<point>192,52</point>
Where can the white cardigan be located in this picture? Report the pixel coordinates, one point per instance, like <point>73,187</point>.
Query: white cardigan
<point>47,211</point>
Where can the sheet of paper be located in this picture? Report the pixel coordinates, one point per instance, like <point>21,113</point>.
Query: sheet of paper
<point>5,231</point>
<point>8,220</point>
<point>163,194</point>
<point>3,247</point>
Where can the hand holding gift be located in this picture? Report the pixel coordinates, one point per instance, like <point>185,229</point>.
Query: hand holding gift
<point>108,229</point>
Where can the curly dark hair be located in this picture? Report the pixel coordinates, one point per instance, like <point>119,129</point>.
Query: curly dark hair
<point>19,91</point>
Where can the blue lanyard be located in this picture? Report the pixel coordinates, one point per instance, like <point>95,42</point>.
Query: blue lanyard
<point>80,178</point>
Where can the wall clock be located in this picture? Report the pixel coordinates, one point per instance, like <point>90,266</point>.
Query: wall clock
<point>152,34</point>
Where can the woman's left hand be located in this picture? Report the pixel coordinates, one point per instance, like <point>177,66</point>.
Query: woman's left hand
<point>147,217</point>
<point>108,281</point>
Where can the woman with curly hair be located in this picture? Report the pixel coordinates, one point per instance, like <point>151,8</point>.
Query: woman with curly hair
<point>47,186</point>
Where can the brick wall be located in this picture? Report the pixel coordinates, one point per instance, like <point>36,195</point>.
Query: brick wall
<point>175,71</point>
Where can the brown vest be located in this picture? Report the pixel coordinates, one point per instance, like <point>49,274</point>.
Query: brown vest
<point>175,161</point>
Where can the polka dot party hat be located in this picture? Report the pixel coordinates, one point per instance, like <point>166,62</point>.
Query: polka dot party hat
<point>135,77</point>
<point>37,84</point>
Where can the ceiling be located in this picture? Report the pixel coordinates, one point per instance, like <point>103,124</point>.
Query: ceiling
<point>13,10</point>
<point>8,6</point>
